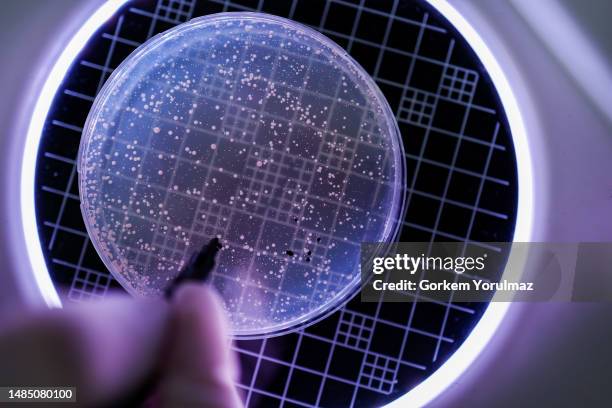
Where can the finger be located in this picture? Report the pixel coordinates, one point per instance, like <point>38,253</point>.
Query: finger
<point>201,367</point>
<point>104,349</point>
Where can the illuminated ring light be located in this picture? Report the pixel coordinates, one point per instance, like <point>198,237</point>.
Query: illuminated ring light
<point>459,361</point>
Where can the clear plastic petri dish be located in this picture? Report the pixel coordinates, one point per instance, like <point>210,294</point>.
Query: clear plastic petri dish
<point>259,131</point>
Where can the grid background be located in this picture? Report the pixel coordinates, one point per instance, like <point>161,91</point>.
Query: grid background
<point>461,187</point>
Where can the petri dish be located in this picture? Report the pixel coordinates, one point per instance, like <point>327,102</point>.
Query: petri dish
<point>259,131</point>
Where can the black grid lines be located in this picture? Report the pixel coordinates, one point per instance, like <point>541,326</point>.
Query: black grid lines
<point>379,373</point>
<point>459,84</point>
<point>461,166</point>
<point>355,330</point>
<point>177,11</point>
<point>417,107</point>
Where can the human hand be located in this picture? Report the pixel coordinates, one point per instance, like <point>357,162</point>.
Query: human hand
<point>109,349</point>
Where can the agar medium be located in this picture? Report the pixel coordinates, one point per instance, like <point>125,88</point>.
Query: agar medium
<point>258,131</point>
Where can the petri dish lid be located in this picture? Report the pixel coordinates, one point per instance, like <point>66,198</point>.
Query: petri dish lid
<point>256,130</point>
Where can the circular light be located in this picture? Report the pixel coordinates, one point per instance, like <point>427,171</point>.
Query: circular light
<point>32,141</point>
<point>460,360</point>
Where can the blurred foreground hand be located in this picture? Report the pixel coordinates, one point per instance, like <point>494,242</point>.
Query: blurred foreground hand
<point>112,349</point>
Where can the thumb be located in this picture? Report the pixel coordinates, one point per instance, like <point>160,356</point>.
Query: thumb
<point>201,368</point>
